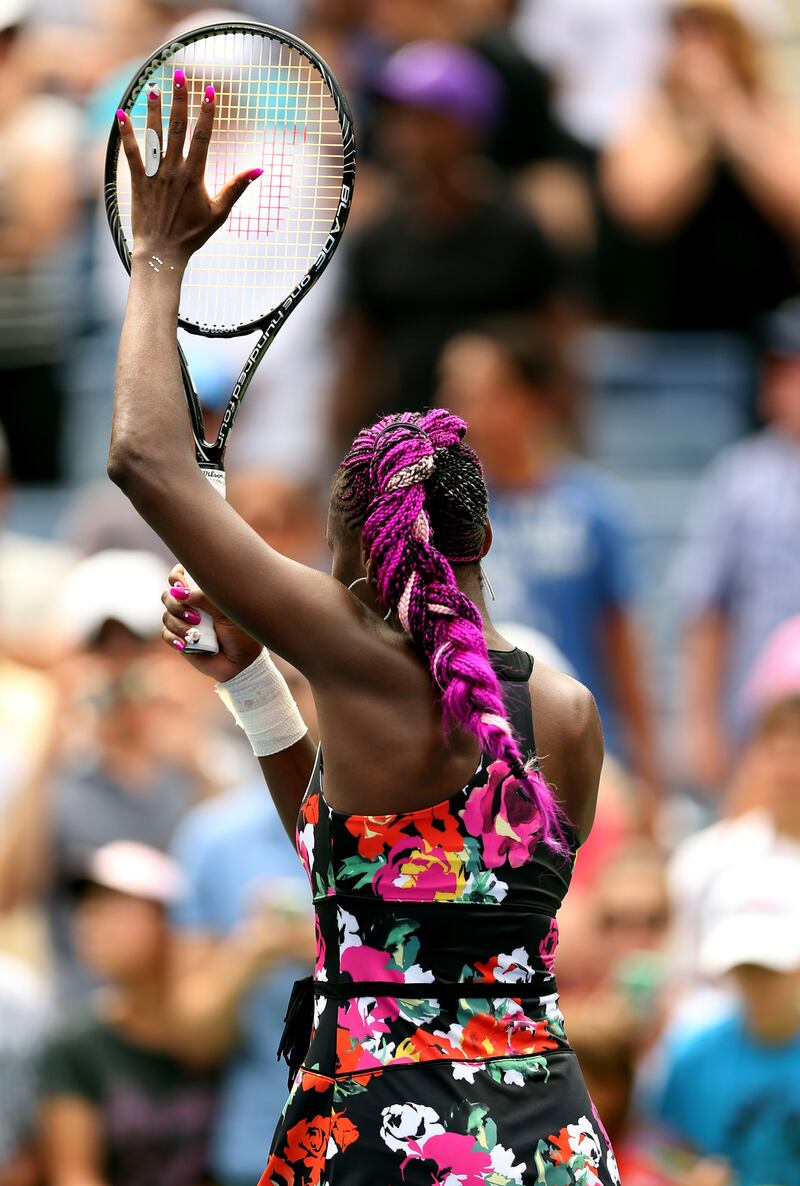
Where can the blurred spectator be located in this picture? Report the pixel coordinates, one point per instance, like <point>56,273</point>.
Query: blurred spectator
<point>106,779</point>
<point>118,1107</point>
<point>245,932</point>
<point>24,1015</point>
<point>709,173</point>
<point>764,824</point>
<point>777,670</point>
<point>38,145</point>
<point>602,58</point>
<point>632,913</point>
<point>282,510</point>
<point>605,1042</point>
<point>450,250</point>
<point>733,1089</point>
<point>561,557</point>
<point>739,571</point>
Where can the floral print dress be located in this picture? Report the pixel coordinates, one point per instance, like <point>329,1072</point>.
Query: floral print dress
<point>407,1080</point>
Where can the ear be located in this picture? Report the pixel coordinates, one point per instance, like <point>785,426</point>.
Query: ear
<point>487,539</point>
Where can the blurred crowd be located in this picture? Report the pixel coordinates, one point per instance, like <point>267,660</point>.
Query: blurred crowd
<point>576,225</point>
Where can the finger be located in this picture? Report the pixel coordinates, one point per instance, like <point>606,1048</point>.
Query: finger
<point>181,621</point>
<point>180,597</point>
<point>129,145</point>
<point>177,575</point>
<point>201,136</point>
<point>172,640</point>
<point>178,118</point>
<point>231,192</point>
<point>154,132</point>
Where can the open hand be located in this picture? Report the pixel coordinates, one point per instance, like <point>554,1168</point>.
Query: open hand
<point>172,213</point>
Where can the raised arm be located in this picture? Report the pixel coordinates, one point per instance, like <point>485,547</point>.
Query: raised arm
<point>301,614</point>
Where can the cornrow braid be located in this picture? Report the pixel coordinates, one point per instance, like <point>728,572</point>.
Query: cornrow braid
<point>387,483</point>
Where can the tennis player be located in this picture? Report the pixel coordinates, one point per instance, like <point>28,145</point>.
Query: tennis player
<point>429,1045</point>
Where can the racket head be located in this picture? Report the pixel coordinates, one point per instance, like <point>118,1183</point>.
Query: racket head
<point>280,108</point>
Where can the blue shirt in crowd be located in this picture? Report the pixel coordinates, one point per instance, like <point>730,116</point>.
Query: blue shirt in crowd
<point>231,850</point>
<point>561,560</point>
<point>741,556</point>
<point>731,1096</point>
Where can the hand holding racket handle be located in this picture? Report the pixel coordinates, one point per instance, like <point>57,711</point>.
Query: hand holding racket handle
<point>202,639</point>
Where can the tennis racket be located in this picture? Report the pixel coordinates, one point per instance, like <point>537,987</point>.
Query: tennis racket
<point>278,106</point>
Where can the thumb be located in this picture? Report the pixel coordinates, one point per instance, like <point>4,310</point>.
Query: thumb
<point>232,190</point>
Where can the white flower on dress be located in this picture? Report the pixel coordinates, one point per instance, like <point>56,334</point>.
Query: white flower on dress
<point>416,974</point>
<point>584,1140</point>
<point>490,886</point>
<point>611,1165</point>
<point>514,1078</point>
<point>305,845</point>
<point>407,1125</point>
<point>467,1070</point>
<point>514,967</point>
<point>348,930</point>
<point>503,1165</point>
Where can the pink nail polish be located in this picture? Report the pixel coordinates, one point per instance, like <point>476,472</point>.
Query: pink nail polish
<point>179,645</point>
<point>192,617</point>
<point>180,78</point>
<point>179,592</point>
<point>121,116</point>
<point>251,176</point>
<point>154,94</point>
<point>210,94</point>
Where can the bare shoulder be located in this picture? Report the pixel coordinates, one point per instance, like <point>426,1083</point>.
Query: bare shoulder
<point>569,741</point>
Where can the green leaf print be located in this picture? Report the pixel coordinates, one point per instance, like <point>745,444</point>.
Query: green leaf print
<point>482,1127</point>
<point>359,870</point>
<point>347,1087</point>
<point>549,1174</point>
<point>400,932</point>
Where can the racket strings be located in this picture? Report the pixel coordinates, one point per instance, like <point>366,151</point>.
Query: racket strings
<point>274,110</point>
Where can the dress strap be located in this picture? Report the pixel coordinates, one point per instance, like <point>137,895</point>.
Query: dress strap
<point>514,669</point>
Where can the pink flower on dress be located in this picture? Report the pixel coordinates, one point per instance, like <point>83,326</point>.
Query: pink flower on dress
<point>548,945</point>
<point>456,1159</point>
<point>512,833</point>
<point>420,873</point>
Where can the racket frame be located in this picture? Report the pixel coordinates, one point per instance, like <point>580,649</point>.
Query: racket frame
<point>210,454</point>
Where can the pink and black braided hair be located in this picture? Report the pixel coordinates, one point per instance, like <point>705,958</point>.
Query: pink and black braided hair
<point>403,479</point>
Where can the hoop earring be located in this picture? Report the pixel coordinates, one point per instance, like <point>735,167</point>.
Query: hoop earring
<point>487,583</point>
<point>358,581</point>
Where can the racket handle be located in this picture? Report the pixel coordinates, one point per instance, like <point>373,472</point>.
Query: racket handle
<point>203,639</point>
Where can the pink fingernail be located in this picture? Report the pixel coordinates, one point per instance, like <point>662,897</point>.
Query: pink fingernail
<point>251,176</point>
<point>154,95</point>
<point>192,617</point>
<point>180,78</point>
<point>121,116</point>
<point>179,645</point>
<point>210,93</point>
<point>179,592</point>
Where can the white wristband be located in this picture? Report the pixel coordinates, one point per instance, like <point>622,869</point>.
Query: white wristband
<point>260,702</point>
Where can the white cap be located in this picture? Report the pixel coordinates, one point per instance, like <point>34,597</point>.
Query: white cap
<point>13,12</point>
<point>113,586</point>
<point>753,917</point>
<point>136,869</point>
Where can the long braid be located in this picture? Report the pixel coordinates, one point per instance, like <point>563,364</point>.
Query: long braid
<point>385,476</point>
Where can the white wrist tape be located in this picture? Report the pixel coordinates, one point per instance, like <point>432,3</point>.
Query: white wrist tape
<point>260,702</point>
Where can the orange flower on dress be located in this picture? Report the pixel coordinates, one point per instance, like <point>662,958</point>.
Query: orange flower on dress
<point>440,827</point>
<point>343,1132</point>
<point>307,1141</point>
<point>375,833</point>
<point>484,1037</point>
<point>311,1081</point>
<point>423,1046</point>
<point>311,809</point>
<point>277,1173</point>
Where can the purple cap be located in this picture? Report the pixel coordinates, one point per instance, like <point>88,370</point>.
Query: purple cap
<point>444,77</point>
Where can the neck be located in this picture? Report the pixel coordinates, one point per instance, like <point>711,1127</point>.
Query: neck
<point>137,1006</point>
<point>468,579</point>
<point>775,1018</point>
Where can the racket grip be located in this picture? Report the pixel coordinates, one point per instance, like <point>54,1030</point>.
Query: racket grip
<point>202,639</point>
